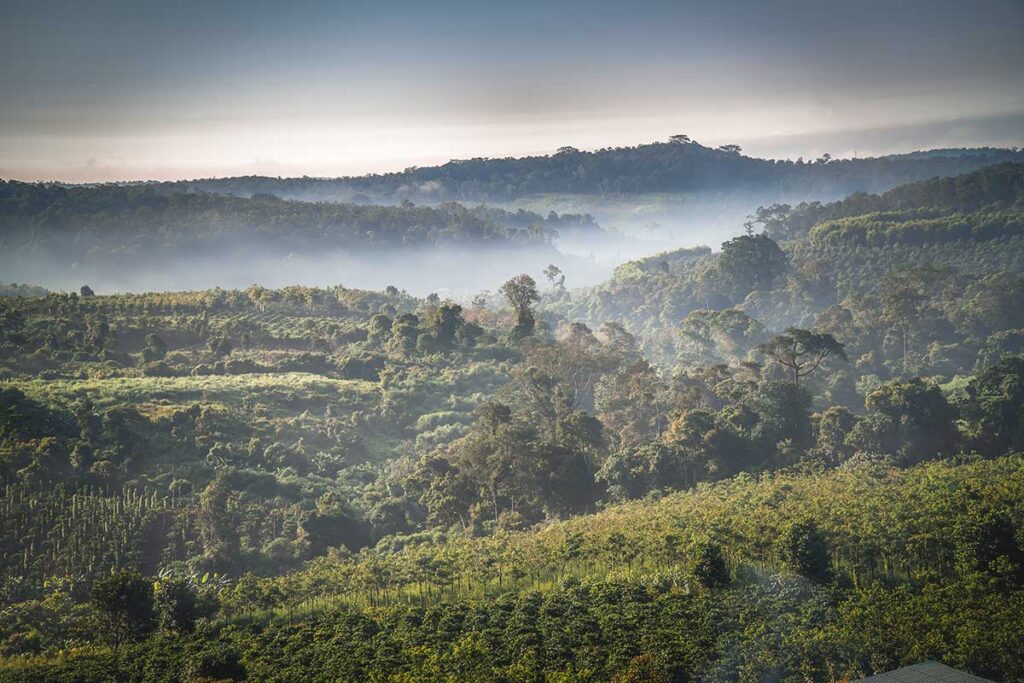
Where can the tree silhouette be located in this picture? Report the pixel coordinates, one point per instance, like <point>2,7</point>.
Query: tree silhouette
<point>802,351</point>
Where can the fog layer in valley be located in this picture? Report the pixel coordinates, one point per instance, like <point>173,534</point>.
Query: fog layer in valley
<point>643,225</point>
<point>454,272</point>
<point>455,229</point>
<point>631,228</point>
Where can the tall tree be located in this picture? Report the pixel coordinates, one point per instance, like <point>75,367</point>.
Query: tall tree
<point>179,604</point>
<point>802,351</point>
<point>995,407</point>
<point>521,292</point>
<point>910,419</point>
<point>555,276</point>
<point>708,565</point>
<point>216,524</point>
<point>751,262</point>
<point>445,322</point>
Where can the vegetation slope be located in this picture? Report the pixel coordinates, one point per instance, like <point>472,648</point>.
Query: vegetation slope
<point>793,459</point>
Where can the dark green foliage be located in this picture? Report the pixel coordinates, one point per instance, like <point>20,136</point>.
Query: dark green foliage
<point>445,322</point>
<point>218,662</point>
<point>636,470</point>
<point>334,526</point>
<point>175,604</point>
<point>995,401</point>
<point>751,262</point>
<point>804,550</point>
<point>910,419</point>
<point>181,601</point>
<point>784,414</point>
<point>708,566</point>
<point>124,604</point>
<point>833,429</point>
<point>987,543</point>
<point>217,530</point>
<point>23,418</point>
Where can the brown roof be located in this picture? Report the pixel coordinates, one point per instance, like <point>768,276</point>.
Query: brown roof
<point>925,672</point>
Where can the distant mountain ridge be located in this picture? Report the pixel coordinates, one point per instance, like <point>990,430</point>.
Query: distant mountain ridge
<point>677,166</point>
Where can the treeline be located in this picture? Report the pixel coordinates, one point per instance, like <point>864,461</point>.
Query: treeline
<point>76,221</point>
<point>15,289</point>
<point>992,189</point>
<point>677,166</point>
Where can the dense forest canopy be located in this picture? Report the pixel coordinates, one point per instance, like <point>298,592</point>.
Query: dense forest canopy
<point>936,244</point>
<point>797,457</point>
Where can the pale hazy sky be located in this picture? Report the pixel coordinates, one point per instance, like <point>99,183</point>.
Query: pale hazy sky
<point>136,89</point>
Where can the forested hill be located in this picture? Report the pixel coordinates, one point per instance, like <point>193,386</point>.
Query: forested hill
<point>341,484</point>
<point>677,166</point>
<point>146,238</point>
<point>937,243</point>
<point>79,218</point>
<point>991,188</point>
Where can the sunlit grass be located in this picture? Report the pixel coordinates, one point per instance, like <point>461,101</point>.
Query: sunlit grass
<point>227,389</point>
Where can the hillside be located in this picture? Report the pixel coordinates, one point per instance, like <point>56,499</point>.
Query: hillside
<point>817,577</point>
<point>159,393</point>
<point>836,264</point>
<point>334,483</point>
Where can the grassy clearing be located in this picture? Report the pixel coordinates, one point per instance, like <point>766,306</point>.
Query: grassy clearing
<point>230,390</point>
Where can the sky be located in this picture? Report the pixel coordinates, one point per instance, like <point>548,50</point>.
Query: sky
<point>135,89</point>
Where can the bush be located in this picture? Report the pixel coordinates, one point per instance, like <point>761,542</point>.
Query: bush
<point>805,551</point>
<point>708,565</point>
<point>124,602</point>
<point>238,366</point>
<point>220,662</point>
<point>158,369</point>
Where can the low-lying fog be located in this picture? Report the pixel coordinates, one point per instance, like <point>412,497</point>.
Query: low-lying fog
<point>457,273</point>
<point>642,226</point>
